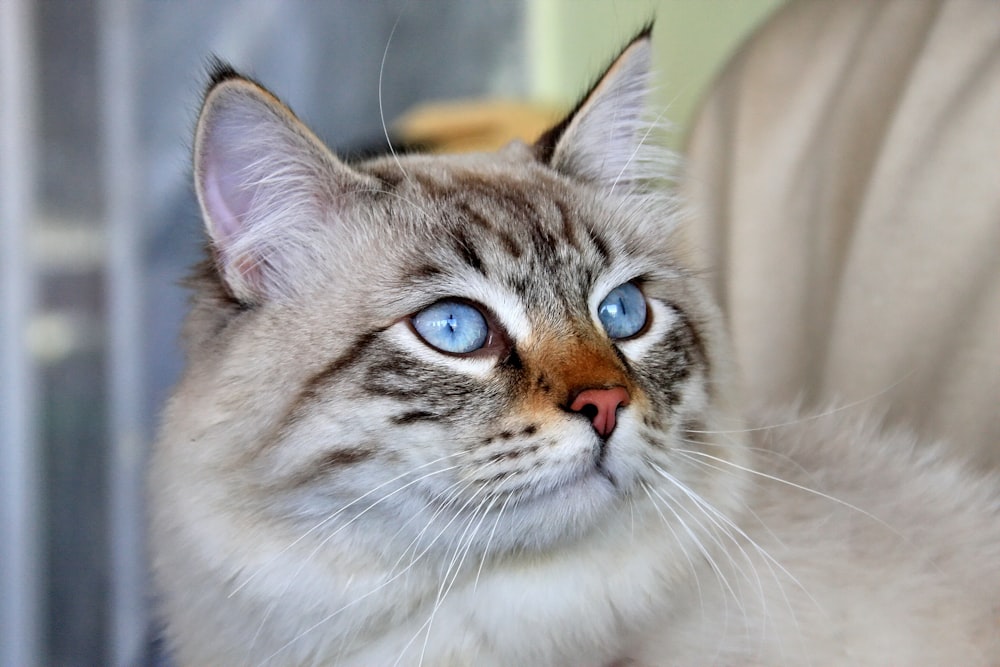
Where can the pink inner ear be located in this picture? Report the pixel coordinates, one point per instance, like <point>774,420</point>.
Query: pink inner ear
<point>256,168</point>
<point>227,198</point>
<point>228,202</point>
<point>224,224</point>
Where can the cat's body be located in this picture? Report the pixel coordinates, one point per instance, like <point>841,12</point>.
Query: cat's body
<point>550,473</point>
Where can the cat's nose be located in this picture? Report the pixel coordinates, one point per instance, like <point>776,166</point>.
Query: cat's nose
<point>600,406</point>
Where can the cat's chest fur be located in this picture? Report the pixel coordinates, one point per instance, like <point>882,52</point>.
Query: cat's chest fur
<point>479,410</point>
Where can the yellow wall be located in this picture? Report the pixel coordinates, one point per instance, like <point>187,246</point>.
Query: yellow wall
<point>572,40</point>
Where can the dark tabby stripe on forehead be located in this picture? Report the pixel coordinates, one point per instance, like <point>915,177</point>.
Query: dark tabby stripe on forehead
<point>466,250</point>
<point>422,273</point>
<point>569,234</point>
<point>494,207</point>
<point>599,244</point>
<point>476,196</point>
<point>389,176</point>
<point>472,214</point>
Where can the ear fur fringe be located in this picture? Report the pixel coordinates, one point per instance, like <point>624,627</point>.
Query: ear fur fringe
<point>264,183</point>
<point>609,139</point>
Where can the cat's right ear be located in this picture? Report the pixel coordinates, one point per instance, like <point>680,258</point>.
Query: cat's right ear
<point>263,181</point>
<point>605,140</point>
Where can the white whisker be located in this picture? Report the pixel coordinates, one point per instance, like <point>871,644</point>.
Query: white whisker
<point>742,446</point>
<point>734,473</point>
<point>650,127</point>
<point>443,505</point>
<point>698,543</point>
<point>769,561</point>
<point>489,541</point>
<point>684,551</point>
<point>737,569</point>
<point>815,416</point>
<point>343,509</point>
<point>381,110</point>
<point>426,623</point>
<point>793,485</point>
<point>451,492</point>
<point>316,549</point>
<point>456,569</point>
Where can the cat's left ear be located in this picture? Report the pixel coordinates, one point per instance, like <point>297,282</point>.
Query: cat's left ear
<point>601,139</point>
<point>267,187</point>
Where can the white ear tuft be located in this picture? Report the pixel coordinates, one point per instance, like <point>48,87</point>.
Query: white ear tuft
<point>606,139</point>
<point>264,183</point>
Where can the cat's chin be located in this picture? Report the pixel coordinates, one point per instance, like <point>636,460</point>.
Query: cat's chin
<point>563,513</point>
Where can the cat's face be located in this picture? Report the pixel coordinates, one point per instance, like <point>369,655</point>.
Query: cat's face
<point>497,351</point>
<point>495,319</point>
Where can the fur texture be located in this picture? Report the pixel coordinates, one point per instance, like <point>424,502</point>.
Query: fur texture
<point>330,488</point>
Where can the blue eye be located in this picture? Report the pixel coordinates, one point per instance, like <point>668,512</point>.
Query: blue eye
<point>623,311</point>
<point>452,326</point>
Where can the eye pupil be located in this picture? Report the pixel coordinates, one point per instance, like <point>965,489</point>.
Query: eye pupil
<point>623,311</point>
<point>451,326</point>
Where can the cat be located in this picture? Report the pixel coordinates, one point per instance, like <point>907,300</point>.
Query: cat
<point>480,410</point>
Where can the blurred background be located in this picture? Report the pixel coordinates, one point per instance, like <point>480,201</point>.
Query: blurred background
<point>98,225</point>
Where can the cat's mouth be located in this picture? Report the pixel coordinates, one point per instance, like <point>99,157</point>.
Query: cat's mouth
<point>601,462</point>
<point>583,481</point>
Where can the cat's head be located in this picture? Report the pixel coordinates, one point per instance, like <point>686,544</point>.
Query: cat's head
<point>508,347</point>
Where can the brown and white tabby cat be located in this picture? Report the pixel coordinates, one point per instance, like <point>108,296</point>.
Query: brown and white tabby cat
<point>478,410</point>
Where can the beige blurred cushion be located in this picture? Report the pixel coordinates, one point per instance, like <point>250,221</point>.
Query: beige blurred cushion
<point>845,177</point>
<point>461,126</point>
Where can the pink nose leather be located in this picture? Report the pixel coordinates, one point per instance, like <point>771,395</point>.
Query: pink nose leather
<point>600,405</point>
